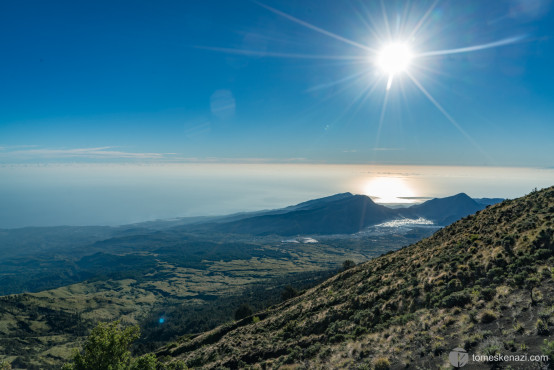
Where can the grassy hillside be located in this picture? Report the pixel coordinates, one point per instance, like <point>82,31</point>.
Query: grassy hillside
<point>193,283</point>
<point>484,283</point>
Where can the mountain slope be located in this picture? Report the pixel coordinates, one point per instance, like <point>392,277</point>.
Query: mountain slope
<point>484,283</point>
<point>341,214</point>
<point>444,211</point>
<point>344,214</point>
<point>488,201</point>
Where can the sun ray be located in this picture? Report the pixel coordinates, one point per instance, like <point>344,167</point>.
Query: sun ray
<point>366,94</point>
<point>403,20</point>
<point>314,28</point>
<point>448,116</point>
<point>336,82</point>
<point>422,20</point>
<point>361,98</point>
<point>386,20</point>
<point>363,93</point>
<point>468,49</point>
<point>365,17</point>
<point>279,55</point>
<point>382,118</point>
<point>371,22</point>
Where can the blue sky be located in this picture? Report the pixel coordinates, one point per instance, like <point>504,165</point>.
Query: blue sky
<point>207,81</point>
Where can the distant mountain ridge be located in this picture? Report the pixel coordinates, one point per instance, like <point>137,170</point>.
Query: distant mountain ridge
<point>338,215</point>
<point>444,211</point>
<point>345,213</point>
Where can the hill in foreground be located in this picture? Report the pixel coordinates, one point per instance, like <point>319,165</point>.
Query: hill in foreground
<point>484,283</point>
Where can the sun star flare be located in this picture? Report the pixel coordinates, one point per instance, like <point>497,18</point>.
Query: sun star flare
<point>393,59</point>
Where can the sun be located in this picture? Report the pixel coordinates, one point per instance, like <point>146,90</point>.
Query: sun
<point>393,59</point>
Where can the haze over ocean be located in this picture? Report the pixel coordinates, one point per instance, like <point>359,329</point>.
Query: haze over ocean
<point>113,194</point>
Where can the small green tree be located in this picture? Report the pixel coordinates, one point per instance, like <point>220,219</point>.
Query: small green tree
<point>5,365</point>
<point>106,348</point>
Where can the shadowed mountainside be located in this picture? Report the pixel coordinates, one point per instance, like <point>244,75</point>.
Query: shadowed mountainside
<point>484,283</point>
<point>346,214</point>
<point>444,211</point>
<point>341,216</point>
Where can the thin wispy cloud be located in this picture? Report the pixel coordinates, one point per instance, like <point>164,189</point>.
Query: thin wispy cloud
<point>386,149</point>
<point>105,152</point>
<point>12,147</point>
<point>241,160</point>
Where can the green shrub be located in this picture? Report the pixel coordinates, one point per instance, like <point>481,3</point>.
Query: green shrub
<point>454,285</point>
<point>472,341</point>
<point>488,316</point>
<point>457,299</point>
<point>510,345</point>
<point>542,327</point>
<point>496,272</point>
<point>543,254</point>
<point>547,314</point>
<point>544,239</point>
<point>294,355</point>
<point>491,347</point>
<point>548,349</point>
<point>519,278</point>
<point>290,329</point>
<point>145,362</point>
<point>359,330</point>
<point>381,363</point>
<point>488,294</point>
<point>508,242</point>
<point>313,350</point>
<point>518,327</point>
<point>437,347</point>
<point>177,365</point>
<point>545,274</point>
<point>348,264</point>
